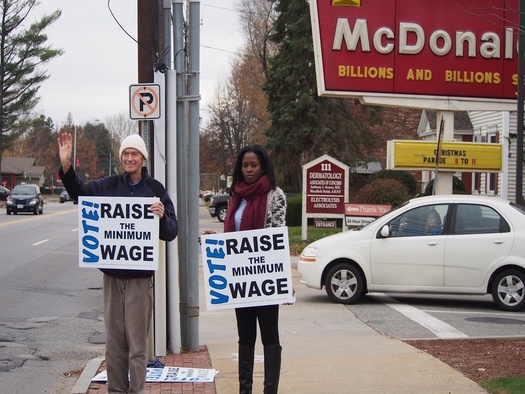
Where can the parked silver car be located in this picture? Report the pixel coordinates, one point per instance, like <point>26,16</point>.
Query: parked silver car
<point>454,244</point>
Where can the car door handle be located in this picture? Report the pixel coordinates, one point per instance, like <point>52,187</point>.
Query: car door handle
<point>432,243</point>
<point>499,241</point>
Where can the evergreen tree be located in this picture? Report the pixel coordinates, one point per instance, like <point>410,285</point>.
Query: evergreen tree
<point>103,141</point>
<point>304,125</point>
<point>23,51</point>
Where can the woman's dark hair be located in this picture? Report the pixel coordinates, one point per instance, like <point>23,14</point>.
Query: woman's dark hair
<point>266,164</point>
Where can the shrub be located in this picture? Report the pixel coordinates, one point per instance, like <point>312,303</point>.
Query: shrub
<point>294,210</point>
<point>406,178</point>
<point>384,191</point>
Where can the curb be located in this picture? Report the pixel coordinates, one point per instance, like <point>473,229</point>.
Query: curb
<point>84,381</point>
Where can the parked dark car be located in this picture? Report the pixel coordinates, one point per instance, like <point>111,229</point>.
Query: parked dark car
<point>25,198</point>
<point>219,206</point>
<point>64,196</point>
<point>4,193</point>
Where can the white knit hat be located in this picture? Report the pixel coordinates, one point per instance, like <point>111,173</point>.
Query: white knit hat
<point>136,142</point>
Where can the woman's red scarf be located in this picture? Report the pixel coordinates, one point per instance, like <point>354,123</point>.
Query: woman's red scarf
<point>254,215</point>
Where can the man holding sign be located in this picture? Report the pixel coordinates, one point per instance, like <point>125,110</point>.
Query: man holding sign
<point>128,292</point>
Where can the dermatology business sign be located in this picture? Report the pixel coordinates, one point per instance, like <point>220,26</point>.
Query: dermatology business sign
<point>447,49</point>
<point>118,232</point>
<point>326,185</point>
<point>454,156</point>
<point>247,268</point>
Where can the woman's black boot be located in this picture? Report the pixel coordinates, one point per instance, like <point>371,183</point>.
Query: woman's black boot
<point>246,355</point>
<point>272,368</point>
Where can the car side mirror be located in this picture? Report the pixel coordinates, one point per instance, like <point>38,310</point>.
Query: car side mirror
<point>385,231</point>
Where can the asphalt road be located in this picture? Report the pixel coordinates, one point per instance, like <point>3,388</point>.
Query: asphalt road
<point>51,321</point>
<point>407,316</point>
<point>51,311</point>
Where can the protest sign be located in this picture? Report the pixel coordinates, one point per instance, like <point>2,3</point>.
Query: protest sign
<point>247,268</point>
<point>170,375</point>
<point>118,232</point>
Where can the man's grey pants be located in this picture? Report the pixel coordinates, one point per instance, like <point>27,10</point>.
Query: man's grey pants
<point>128,307</point>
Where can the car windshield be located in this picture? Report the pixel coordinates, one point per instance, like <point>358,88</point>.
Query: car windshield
<point>24,190</point>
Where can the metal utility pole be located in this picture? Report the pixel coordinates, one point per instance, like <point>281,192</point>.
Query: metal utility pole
<point>179,29</point>
<point>182,99</point>
<point>186,43</point>
<point>519,126</point>
<point>193,176</point>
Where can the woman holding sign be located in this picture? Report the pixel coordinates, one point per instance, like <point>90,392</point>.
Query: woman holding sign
<point>128,293</point>
<point>256,203</point>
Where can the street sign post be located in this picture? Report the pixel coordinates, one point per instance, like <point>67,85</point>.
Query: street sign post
<point>144,101</point>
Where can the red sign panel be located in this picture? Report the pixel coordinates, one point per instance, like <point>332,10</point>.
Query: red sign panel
<point>449,48</point>
<point>325,188</point>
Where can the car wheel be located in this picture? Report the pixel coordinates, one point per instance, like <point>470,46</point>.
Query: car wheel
<point>35,212</point>
<point>344,284</point>
<point>8,211</point>
<point>221,214</point>
<point>41,209</point>
<point>508,290</point>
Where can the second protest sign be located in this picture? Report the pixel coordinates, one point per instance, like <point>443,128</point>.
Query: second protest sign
<point>247,268</point>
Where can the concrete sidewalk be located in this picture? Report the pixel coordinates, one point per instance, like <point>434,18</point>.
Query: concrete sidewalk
<point>326,349</point>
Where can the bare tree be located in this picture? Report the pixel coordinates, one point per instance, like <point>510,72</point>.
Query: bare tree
<point>121,125</point>
<point>238,113</point>
<point>257,18</point>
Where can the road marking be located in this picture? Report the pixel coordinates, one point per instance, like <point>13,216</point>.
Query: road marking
<point>492,313</point>
<point>36,217</point>
<point>41,242</point>
<point>437,327</point>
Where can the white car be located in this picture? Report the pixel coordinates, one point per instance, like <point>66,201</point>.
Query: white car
<point>474,245</point>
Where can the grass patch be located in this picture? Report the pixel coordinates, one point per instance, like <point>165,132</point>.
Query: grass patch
<point>297,245</point>
<point>513,385</point>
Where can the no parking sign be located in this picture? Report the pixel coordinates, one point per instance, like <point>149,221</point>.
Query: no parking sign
<point>144,101</point>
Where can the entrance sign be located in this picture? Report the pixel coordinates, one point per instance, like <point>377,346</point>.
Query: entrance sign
<point>460,51</point>
<point>118,232</point>
<point>247,268</point>
<point>454,156</point>
<point>144,101</point>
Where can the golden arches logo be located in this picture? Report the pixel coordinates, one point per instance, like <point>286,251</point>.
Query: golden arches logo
<point>347,3</point>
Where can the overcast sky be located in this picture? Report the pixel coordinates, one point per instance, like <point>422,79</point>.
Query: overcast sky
<point>91,79</point>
